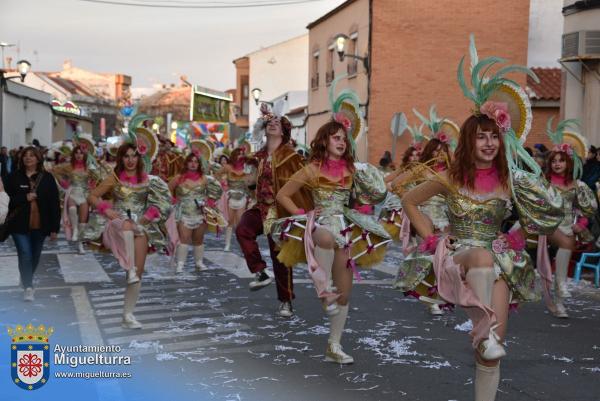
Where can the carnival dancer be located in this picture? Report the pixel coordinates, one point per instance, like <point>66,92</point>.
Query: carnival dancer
<point>563,169</point>
<point>435,159</point>
<point>277,162</point>
<point>476,267</point>
<point>78,177</point>
<point>168,162</point>
<point>333,238</point>
<point>134,221</point>
<point>238,175</point>
<point>196,194</point>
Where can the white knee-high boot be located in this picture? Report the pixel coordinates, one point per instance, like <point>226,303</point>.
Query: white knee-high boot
<point>481,281</point>
<point>487,379</point>
<point>132,293</point>
<point>129,242</point>
<point>325,258</point>
<point>74,220</point>
<point>334,351</point>
<point>198,256</point>
<point>228,234</point>
<point>563,256</point>
<point>181,253</point>
<point>80,248</point>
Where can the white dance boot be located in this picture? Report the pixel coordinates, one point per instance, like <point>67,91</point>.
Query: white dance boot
<point>198,256</point>
<point>563,256</point>
<point>228,234</point>
<point>334,351</point>
<point>132,293</point>
<point>129,242</point>
<point>324,258</point>
<point>481,281</point>
<point>487,379</point>
<point>80,248</point>
<point>74,220</point>
<point>182,252</point>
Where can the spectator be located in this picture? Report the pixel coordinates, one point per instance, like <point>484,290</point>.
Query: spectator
<point>591,169</point>
<point>4,158</point>
<point>35,206</point>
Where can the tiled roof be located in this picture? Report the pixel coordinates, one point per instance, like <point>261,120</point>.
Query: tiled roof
<point>549,86</point>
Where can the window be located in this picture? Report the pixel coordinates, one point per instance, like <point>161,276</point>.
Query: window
<point>244,106</point>
<point>329,74</point>
<point>314,78</point>
<point>353,49</point>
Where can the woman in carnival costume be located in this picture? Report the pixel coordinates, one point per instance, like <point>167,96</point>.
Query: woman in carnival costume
<point>563,169</point>
<point>238,174</point>
<point>435,159</point>
<point>476,266</point>
<point>133,222</point>
<point>196,194</point>
<point>333,236</point>
<point>78,176</point>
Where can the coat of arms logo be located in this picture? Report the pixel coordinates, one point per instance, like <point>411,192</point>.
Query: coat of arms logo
<point>30,355</point>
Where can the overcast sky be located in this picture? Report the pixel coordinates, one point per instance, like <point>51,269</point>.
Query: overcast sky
<point>152,45</point>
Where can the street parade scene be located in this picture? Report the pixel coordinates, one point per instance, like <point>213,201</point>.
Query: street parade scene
<point>300,200</point>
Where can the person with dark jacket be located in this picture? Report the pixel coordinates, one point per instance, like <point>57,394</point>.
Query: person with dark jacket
<point>34,212</point>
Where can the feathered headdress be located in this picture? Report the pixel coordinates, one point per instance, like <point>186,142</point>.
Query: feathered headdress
<point>200,148</point>
<point>502,100</point>
<point>441,129</point>
<point>569,141</point>
<point>87,145</point>
<point>143,138</point>
<point>418,138</point>
<point>345,109</point>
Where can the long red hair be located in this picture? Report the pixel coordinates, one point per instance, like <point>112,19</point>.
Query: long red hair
<point>462,169</point>
<point>120,167</point>
<point>406,156</point>
<point>183,169</point>
<point>318,146</point>
<point>85,156</point>
<point>432,145</point>
<point>563,156</point>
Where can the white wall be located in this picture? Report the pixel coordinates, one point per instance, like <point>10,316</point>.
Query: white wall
<point>44,84</point>
<point>278,69</point>
<point>21,112</point>
<point>545,33</point>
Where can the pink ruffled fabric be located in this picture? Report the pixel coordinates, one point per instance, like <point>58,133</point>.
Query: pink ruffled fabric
<point>454,289</point>
<point>65,216</point>
<point>103,206</point>
<point>79,164</point>
<point>515,240</point>
<point>173,234</point>
<point>583,222</point>
<point>113,240</point>
<point>429,244</point>
<point>487,179</point>
<point>405,234</point>
<point>133,180</point>
<point>317,273</point>
<point>152,214</point>
<point>559,180</point>
<point>299,212</point>
<point>64,184</point>
<point>364,209</point>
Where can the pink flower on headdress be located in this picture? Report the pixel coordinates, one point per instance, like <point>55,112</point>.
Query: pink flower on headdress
<point>565,148</point>
<point>83,147</point>
<point>196,152</point>
<point>497,111</point>
<point>418,146</point>
<point>342,119</point>
<point>442,137</point>
<point>141,146</point>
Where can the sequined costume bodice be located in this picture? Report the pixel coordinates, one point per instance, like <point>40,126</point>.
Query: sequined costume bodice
<point>476,222</point>
<point>79,179</point>
<point>331,197</point>
<point>130,197</point>
<point>190,195</point>
<point>569,198</point>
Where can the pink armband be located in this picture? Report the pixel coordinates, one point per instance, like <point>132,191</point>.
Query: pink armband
<point>64,184</point>
<point>103,206</point>
<point>299,212</point>
<point>211,202</point>
<point>583,222</point>
<point>152,214</point>
<point>364,209</point>
<point>429,244</point>
<point>515,240</point>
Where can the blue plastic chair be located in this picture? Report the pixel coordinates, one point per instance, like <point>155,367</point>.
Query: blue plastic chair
<point>594,266</point>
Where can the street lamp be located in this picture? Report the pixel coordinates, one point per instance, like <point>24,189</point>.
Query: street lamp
<point>340,47</point>
<point>256,93</point>
<point>23,67</point>
<point>174,125</point>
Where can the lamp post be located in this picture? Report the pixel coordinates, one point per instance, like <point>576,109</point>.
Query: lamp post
<point>23,67</point>
<point>340,48</point>
<point>256,93</point>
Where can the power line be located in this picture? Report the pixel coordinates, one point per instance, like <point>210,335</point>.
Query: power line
<point>206,5</point>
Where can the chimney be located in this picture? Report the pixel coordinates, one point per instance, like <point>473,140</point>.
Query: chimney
<point>67,65</point>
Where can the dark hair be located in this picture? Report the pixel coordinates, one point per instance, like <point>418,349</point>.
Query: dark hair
<point>563,156</point>
<point>120,167</point>
<point>384,162</point>
<point>462,169</point>
<point>431,146</point>
<point>235,155</point>
<point>529,151</point>
<point>189,157</point>
<point>286,129</point>
<point>36,153</point>
<point>221,158</point>
<point>75,149</point>
<point>407,155</point>
<point>318,146</point>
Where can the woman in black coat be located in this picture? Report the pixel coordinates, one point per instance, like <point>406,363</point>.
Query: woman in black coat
<point>33,212</point>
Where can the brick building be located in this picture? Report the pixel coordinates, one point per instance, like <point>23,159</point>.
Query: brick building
<point>545,102</point>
